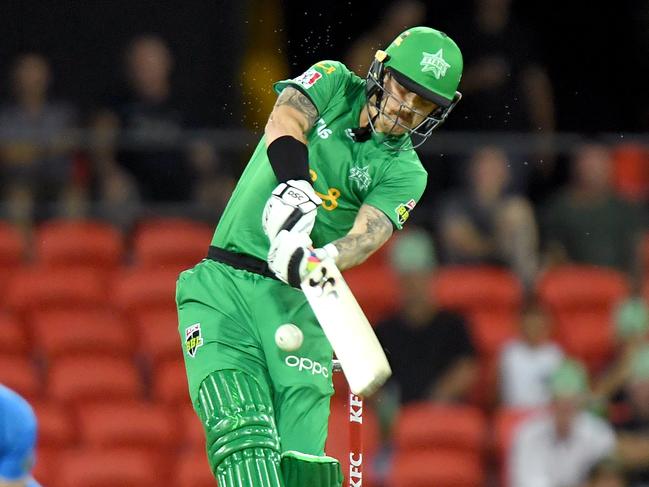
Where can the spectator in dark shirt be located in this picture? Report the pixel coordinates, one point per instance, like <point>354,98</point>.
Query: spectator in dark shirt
<point>35,154</point>
<point>485,224</point>
<point>150,158</point>
<point>587,223</point>
<point>430,350</point>
<point>505,85</point>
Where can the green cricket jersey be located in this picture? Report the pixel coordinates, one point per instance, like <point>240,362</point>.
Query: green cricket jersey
<point>344,173</point>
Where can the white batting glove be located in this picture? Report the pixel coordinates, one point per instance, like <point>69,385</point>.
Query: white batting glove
<point>291,257</point>
<point>293,205</point>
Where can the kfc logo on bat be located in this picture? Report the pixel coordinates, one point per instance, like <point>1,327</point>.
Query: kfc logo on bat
<point>308,78</point>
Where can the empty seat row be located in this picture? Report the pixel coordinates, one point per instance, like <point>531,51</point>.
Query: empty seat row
<point>83,379</point>
<point>99,245</point>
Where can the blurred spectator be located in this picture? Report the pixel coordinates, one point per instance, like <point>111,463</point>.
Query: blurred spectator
<point>430,349</point>
<point>36,162</point>
<point>505,85</point>
<point>399,16</point>
<point>606,473</point>
<point>528,362</point>
<point>631,321</point>
<point>587,223</point>
<point>557,448</point>
<point>633,430</point>
<point>150,159</point>
<point>484,224</point>
<point>17,440</point>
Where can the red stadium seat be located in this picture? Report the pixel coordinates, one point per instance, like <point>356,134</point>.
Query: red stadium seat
<point>157,332</point>
<point>338,445</point>
<point>631,171</point>
<point>483,288</point>
<point>138,289</point>
<point>56,427</point>
<point>47,465</point>
<point>20,374</point>
<point>376,290</point>
<point>581,288</point>
<point>170,383</point>
<point>91,244</point>
<point>109,468</point>
<point>89,378</point>
<point>171,242</point>
<point>442,468</point>
<point>13,336</point>
<point>192,428</point>
<point>193,470</point>
<point>491,330</point>
<point>37,288</point>
<point>431,426</point>
<point>132,424</point>
<point>69,332</point>
<point>12,247</point>
<point>588,336</point>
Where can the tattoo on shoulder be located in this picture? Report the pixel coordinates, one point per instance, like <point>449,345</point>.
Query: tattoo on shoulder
<point>295,98</point>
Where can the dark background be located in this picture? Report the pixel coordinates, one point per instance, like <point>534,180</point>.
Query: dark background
<point>595,53</point>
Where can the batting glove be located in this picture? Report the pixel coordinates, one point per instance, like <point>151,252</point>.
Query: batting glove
<point>293,205</point>
<point>291,256</point>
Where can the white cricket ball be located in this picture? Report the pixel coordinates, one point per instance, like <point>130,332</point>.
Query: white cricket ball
<point>288,337</point>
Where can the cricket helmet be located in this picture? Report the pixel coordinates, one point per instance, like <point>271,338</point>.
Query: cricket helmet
<point>425,61</point>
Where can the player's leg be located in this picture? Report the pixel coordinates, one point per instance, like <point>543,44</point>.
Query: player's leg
<point>242,440</point>
<point>302,386</point>
<point>227,377</point>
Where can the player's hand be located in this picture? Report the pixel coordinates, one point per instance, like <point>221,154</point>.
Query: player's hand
<point>291,257</point>
<point>293,205</point>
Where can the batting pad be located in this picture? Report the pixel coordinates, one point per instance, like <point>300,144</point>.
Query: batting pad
<point>242,441</point>
<point>300,469</point>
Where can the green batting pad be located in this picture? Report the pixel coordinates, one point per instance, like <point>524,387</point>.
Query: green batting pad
<point>242,441</point>
<point>300,469</point>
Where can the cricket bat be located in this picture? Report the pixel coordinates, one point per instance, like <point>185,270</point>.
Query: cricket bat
<point>360,354</point>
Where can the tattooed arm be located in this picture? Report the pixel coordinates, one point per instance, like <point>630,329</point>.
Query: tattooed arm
<point>371,230</point>
<point>293,114</point>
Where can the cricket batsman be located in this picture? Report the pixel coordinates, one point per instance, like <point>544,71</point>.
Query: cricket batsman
<point>334,174</point>
<point>17,440</point>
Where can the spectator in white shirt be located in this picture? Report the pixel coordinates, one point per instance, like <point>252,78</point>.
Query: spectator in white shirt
<point>527,362</point>
<point>558,448</point>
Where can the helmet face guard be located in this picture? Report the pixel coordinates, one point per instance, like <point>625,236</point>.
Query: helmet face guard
<point>423,61</point>
<point>377,97</point>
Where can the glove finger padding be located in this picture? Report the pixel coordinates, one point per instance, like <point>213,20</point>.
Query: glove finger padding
<point>289,255</point>
<point>293,205</point>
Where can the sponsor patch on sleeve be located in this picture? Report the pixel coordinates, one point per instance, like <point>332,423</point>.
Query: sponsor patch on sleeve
<point>193,339</point>
<point>308,78</point>
<point>403,211</point>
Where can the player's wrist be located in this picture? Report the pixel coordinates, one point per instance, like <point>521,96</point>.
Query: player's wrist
<point>328,251</point>
<point>289,159</point>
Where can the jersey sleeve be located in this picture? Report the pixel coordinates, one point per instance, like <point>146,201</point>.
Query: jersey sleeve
<point>323,83</point>
<point>398,192</point>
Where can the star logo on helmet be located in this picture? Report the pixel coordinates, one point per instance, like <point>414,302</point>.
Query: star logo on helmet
<point>434,63</point>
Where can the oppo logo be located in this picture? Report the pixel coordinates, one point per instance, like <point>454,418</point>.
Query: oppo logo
<point>306,364</point>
